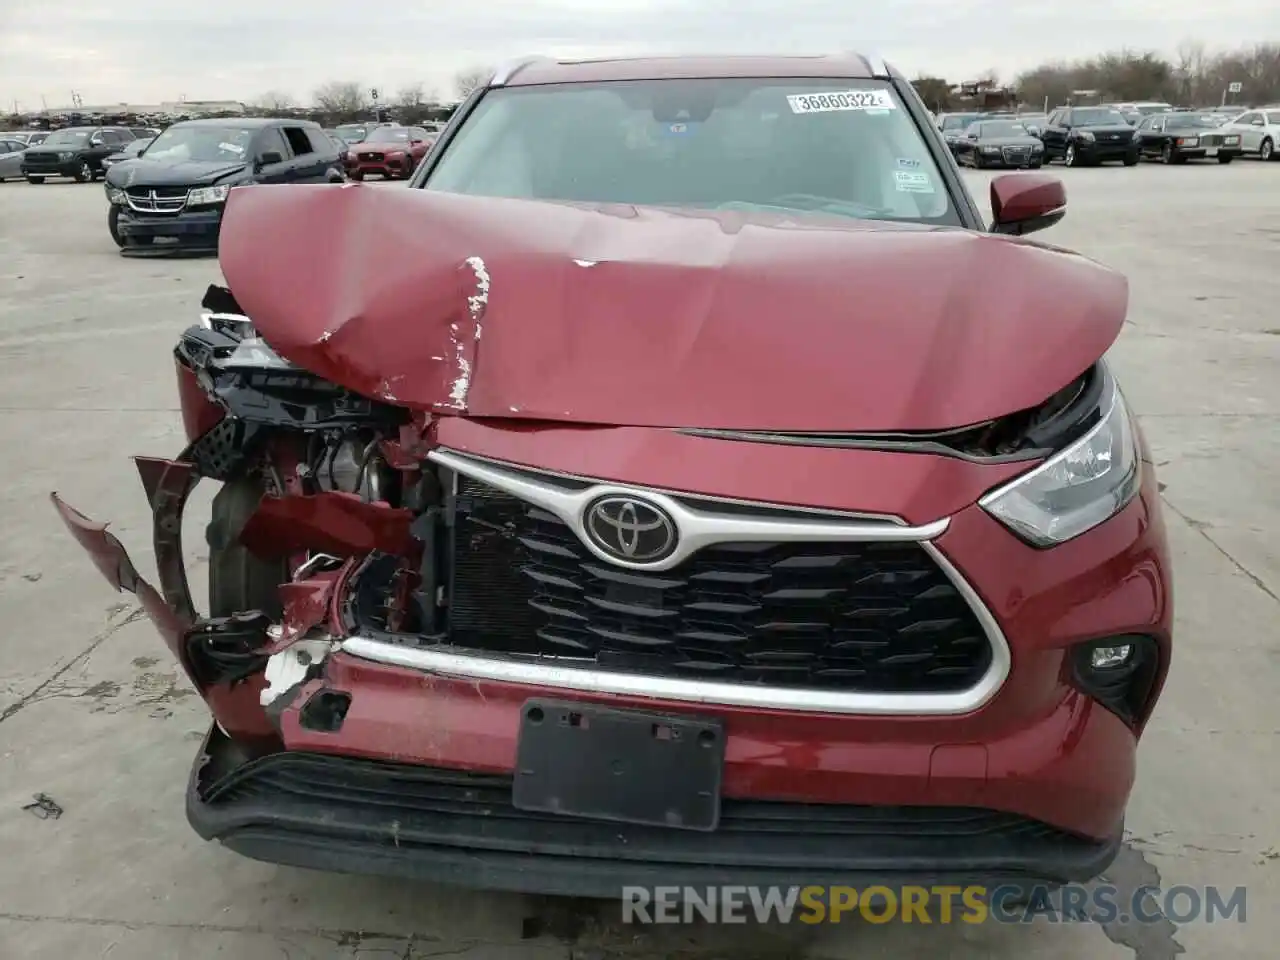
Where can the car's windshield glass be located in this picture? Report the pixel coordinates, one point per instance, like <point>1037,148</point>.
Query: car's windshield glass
<point>1189,121</point>
<point>958,121</point>
<point>835,147</point>
<point>137,146</point>
<point>388,135</point>
<point>60,137</point>
<point>201,143</point>
<point>1097,117</point>
<point>351,133</point>
<point>1149,108</point>
<point>1003,129</point>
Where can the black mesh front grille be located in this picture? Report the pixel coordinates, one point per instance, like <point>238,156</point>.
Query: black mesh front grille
<point>866,617</point>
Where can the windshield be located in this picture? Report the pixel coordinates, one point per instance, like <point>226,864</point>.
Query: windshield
<point>958,121</point>
<point>201,143</point>
<point>135,148</point>
<point>388,135</point>
<point>59,137</point>
<point>1007,128</point>
<point>1190,121</point>
<point>746,144</point>
<point>1146,109</point>
<point>1098,117</point>
<point>351,132</point>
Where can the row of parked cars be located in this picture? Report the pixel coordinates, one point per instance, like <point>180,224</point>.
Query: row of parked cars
<point>1086,136</point>
<point>171,186</point>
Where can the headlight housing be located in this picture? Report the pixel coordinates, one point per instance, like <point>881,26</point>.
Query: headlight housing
<point>203,196</point>
<point>66,155</point>
<point>1085,135</point>
<point>115,195</point>
<point>1080,486</point>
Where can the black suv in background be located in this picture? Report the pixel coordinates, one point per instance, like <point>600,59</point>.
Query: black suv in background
<point>177,189</point>
<point>1084,136</point>
<point>75,152</point>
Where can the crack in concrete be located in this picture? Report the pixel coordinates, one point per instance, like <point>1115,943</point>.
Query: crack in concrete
<point>1200,528</point>
<point>135,614</point>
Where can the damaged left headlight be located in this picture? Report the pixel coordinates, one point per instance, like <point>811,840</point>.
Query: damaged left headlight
<point>256,353</point>
<point>1079,487</point>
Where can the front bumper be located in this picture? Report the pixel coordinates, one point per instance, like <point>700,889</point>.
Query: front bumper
<point>414,779</point>
<point>1208,153</point>
<point>62,168</point>
<point>190,229</point>
<point>1100,152</point>
<point>388,167</point>
<point>354,815</point>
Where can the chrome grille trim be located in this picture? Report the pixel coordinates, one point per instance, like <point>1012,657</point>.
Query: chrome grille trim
<point>150,202</point>
<point>708,527</point>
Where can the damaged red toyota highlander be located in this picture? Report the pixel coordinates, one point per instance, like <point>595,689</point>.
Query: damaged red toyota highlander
<point>677,484</point>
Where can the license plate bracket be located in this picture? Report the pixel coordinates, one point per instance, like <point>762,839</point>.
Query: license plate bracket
<point>626,766</point>
<point>1211,152</point>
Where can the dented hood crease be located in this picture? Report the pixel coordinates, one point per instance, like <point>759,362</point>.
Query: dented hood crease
<point>662,318</point>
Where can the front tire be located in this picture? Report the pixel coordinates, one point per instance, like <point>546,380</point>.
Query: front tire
<point>238,580</point>
<point>1225,160</point>
<point>84,174</point>
<point>357,175</point>
<point>113,225</point>
<point>1130,161</point>
<point>31,179</point>
<point>1070,158</point>
<point>1267,151</point>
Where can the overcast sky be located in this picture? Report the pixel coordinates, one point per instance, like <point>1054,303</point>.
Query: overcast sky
<point>150,50</point>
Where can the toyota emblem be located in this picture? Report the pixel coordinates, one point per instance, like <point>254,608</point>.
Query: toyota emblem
<point>630,529</point>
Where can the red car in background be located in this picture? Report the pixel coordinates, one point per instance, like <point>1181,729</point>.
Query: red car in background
<point>391,152</point>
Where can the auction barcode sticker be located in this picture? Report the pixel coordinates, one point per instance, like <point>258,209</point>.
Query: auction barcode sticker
<point>841,100</point>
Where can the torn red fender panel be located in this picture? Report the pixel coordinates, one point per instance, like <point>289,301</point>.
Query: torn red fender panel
<point>310,603</point>
<point>636,316</point>
<point>330,522</point>
<point>112,560</point>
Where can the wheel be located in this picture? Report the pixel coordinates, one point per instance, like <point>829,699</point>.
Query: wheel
<point>357,175</point>
<point>113,216</point>
<point>1268,150</point>
<point>1070,158</point>
<point>1036,164</point>
<point>31,179</point>
<point>1131,161</point>
<point>238,580</point>
<point>1225,159</point>
<point>84,174</point>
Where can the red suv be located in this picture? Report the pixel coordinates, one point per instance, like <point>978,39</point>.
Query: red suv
<point>390,152</point>
<point>681,485</point>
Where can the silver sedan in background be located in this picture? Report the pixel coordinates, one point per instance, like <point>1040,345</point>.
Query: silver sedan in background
<point>1259,132</point>
<point>11,159</point>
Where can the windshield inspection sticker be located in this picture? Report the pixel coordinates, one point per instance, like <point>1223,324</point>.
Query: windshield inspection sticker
<point>910,182</point>
<point>231,147</point>
<point>841,100</point>
<point>908,163</point>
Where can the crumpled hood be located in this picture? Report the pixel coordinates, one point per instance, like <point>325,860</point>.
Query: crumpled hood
<point>158,173</point>
<point>644,317</point>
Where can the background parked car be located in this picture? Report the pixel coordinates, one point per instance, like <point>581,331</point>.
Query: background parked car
<point>999,142</point>
<point>29,137</point>
<point>1179,137</point>
<point>1083,136</point>
<point>129,151</point>
<point>1259,132</point>
<point>178,188</point>
<point>954,125</point>
<point>75,152</point>
<point>390,152</point>
<point>10,158</point>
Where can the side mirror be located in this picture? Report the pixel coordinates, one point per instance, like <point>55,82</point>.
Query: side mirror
<point>1025,202</point>
<point>268,158</point>
<point>95,141</point>
<point>1033,129</point>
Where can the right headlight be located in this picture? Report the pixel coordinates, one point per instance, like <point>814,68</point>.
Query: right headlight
<point>1078,487</point>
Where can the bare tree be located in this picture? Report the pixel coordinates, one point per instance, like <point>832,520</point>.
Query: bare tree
<point>341,96</point>
<point>274,101</point>
<point>466,81</point>
<point>412,95</point>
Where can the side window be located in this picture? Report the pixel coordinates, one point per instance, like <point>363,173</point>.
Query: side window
<point>1055,119</point>
<point>1156,125</point>
<point>270,141</point>
<point>1273,119</point>
<point>320,142</point>
<point>1247,118</point>
<point>297,138</point>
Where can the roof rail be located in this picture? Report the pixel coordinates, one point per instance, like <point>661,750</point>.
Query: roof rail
<point>503,75</point>
<point>879,69</point>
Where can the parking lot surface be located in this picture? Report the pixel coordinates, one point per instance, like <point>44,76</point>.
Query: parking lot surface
<point>95,716</point>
